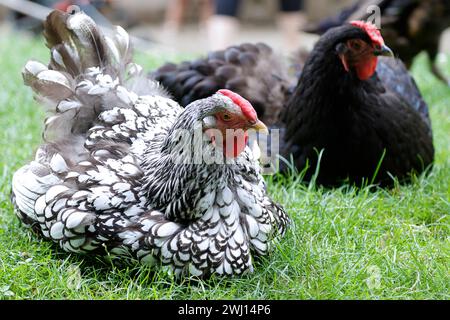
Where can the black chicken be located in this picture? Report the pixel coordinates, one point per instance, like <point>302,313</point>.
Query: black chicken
<point>360,108</point>
<point>409,26</point>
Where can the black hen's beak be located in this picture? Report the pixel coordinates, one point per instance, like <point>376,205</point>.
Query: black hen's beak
<point>384,51</point>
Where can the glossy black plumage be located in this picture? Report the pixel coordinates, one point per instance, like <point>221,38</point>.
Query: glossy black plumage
<point>354,121</point>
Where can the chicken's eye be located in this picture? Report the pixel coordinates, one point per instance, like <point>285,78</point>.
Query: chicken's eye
<point>226,117</point>
<point>355,45</point>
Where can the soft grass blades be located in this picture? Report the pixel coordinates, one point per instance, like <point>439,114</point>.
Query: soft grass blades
<point>345,243</point>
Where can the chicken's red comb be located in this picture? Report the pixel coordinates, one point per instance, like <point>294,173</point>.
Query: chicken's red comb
<point>371,31</point>
<point>245,105</point>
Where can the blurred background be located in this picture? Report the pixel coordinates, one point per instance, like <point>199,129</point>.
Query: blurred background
<point>192,26</point>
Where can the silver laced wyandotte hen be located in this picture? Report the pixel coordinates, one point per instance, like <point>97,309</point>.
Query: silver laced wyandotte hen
<point>408,26</point>
<point>109,175</point>
<point>361,108</point>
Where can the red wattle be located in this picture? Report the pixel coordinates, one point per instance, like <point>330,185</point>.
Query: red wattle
<point>367,68</point>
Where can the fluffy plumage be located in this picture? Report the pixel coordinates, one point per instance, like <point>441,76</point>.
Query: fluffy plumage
<point>109,174</point>
<point>252,70</point>
<point>328,107</point>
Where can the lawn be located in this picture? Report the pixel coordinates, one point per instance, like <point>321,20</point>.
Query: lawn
<point>343,244</point>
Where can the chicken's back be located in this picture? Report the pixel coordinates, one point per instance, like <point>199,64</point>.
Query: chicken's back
<point>253,71</point>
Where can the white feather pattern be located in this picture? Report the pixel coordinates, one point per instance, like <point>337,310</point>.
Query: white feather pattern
<point>102,180</point>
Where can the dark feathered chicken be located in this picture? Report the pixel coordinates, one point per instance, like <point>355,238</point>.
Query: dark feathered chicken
<point>408,26</point>
<point>114,171</point>
<point>348,101</point>
<point>253,70</point>
<point>357,106</point>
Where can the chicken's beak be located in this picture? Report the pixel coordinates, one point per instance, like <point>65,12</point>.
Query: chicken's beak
<point>384,51</point>
<point>260,127</point>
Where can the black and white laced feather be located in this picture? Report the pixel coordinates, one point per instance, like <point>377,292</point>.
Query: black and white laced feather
<point>105,177</point>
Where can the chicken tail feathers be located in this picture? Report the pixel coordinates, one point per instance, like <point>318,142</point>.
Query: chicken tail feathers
<point>87,70</point>
<point>75,42</point>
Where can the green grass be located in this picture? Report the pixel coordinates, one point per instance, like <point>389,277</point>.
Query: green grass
<point>343,244</point>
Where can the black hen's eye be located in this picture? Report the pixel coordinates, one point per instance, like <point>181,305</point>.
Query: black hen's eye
<point>226,117</point>
<point>355,45</point>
